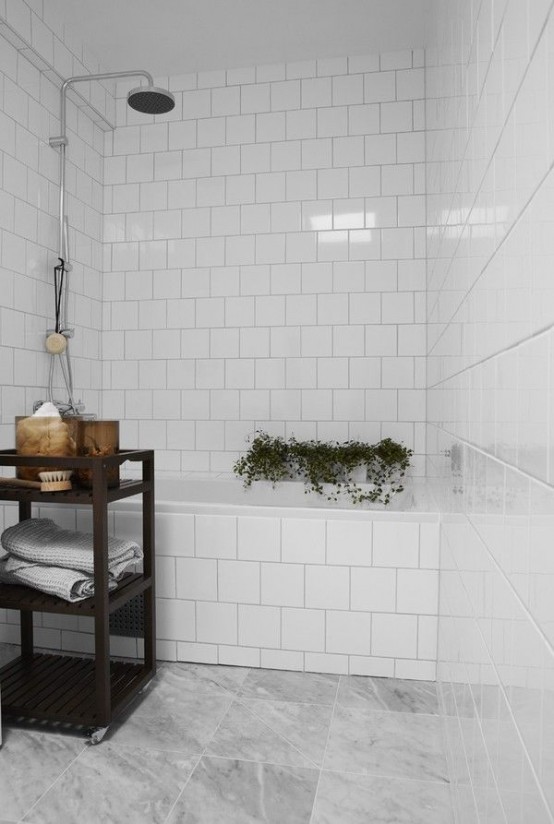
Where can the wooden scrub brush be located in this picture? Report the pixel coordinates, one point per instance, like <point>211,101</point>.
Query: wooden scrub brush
<point>55,481</point>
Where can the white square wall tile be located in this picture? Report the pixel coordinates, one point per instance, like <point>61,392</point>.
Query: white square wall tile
<point>415,670</point>
<point>395,544</point>
<point>259,539</point>
<point>216,623</point>
<point>327,587</point>
<point>175,619</point>
<point>282,659</point>
<point>283,585</point>
<point>216,536</point>
<point>238,656</point>
<point>429,535</point>
<point>260,626</point>
<point>303,540</point>
<point>427,637</point>
<point>348,633</point>
<point>371,666</point>
<point>165,576</point>
<point>379,87</point>
<point>373,590</point>
<point>394,636</point>
<point>239,581</point>
<point>325,662</point>
<point>197,579</point>
<point>418,591</point>
<point>349,542</point>
<point>199,653</point>
<point>303,629</point>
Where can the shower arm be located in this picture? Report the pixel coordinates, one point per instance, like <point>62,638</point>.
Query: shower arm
<point>60,142</point>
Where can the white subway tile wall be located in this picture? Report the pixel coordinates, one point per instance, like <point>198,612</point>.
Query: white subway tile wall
<point>290,606</point>
<point>37,53</point>
<point>264,245</point>
<point>491,315</point>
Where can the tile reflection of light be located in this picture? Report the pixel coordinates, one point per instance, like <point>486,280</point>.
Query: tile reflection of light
<point>346,220</point>
<point>333,237</point>
<point>349,220</point>
<point>319,223</point>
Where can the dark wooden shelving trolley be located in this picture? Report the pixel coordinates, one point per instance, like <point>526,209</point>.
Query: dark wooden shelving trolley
<point>87,692</point>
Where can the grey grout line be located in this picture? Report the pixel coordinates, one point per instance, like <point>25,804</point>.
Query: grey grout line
<point>183,789</point>
<point>235,695</point>
<point>60,776</point>
<point>326,747</point>
<point>280,735</point>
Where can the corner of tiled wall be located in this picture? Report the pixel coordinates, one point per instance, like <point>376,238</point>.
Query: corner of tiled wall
<point>490,325</point>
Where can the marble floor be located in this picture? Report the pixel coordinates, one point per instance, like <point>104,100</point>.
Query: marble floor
<point>226,745</point>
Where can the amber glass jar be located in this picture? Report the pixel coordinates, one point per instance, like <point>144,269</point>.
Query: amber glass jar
<point>97,438</point>
<point>46,436</point>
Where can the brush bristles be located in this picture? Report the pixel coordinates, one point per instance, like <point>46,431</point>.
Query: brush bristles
<point>56,475</point>
<point>55,481</point>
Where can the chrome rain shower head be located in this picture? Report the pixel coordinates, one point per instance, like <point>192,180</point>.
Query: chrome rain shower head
<point>151,100</point>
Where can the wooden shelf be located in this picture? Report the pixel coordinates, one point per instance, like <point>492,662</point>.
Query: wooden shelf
<point>82,691</point>
<point>62,688</point>
<point>125,489</point>
<point>32,600</point>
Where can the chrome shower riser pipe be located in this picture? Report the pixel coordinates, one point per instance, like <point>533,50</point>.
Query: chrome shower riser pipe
<point>60,142</point>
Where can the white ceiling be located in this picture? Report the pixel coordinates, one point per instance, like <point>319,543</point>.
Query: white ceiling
<point>180,36</point>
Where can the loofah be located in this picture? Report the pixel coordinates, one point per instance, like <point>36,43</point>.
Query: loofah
<point>42,436</point>
<point>56,344</point>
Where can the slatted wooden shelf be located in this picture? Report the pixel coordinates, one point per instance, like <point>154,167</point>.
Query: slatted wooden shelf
<point>62,688</point>
<point>82,497</point>
<point>25,598</point>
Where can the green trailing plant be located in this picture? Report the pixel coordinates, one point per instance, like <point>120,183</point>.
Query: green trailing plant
<point>322,464</point>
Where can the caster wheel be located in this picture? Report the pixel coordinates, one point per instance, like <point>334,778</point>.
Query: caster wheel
<point>96,735</point>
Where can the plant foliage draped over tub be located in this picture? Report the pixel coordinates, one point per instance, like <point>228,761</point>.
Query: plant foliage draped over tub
<point>318,463</point>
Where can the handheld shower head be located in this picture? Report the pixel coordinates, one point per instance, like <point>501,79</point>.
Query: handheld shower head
<point>151,100</point>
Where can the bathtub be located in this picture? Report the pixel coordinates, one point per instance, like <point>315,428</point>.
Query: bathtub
<point>272,577</point>
<point>226,490</point>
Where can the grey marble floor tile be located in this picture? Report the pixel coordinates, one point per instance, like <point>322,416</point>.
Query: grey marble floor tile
<point>348,799</point>
<point>30,761</point>
<point>304,725</point>
<point>300,687</point>
<point>206,677</point>
<point>115,784</point>
<point>187,727</point>
<point>175,685</point>
<point>386,743</point>
<point>243,735</point>
<point>388,694</point>
<point>225,791</point>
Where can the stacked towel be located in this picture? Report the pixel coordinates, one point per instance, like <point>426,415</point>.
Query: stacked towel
<point>58,561</point>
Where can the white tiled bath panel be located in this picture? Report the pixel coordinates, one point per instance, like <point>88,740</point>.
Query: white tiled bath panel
<point>265,260</point>
<point>489,83</point>
<point>243,590</point>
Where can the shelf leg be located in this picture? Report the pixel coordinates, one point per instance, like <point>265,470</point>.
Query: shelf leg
<point>148,543</point>
<point>26,620</point>
<point>101,594</point>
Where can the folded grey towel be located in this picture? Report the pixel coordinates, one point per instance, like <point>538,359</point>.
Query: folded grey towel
<point>69,584</point>
<point>41,541</point>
